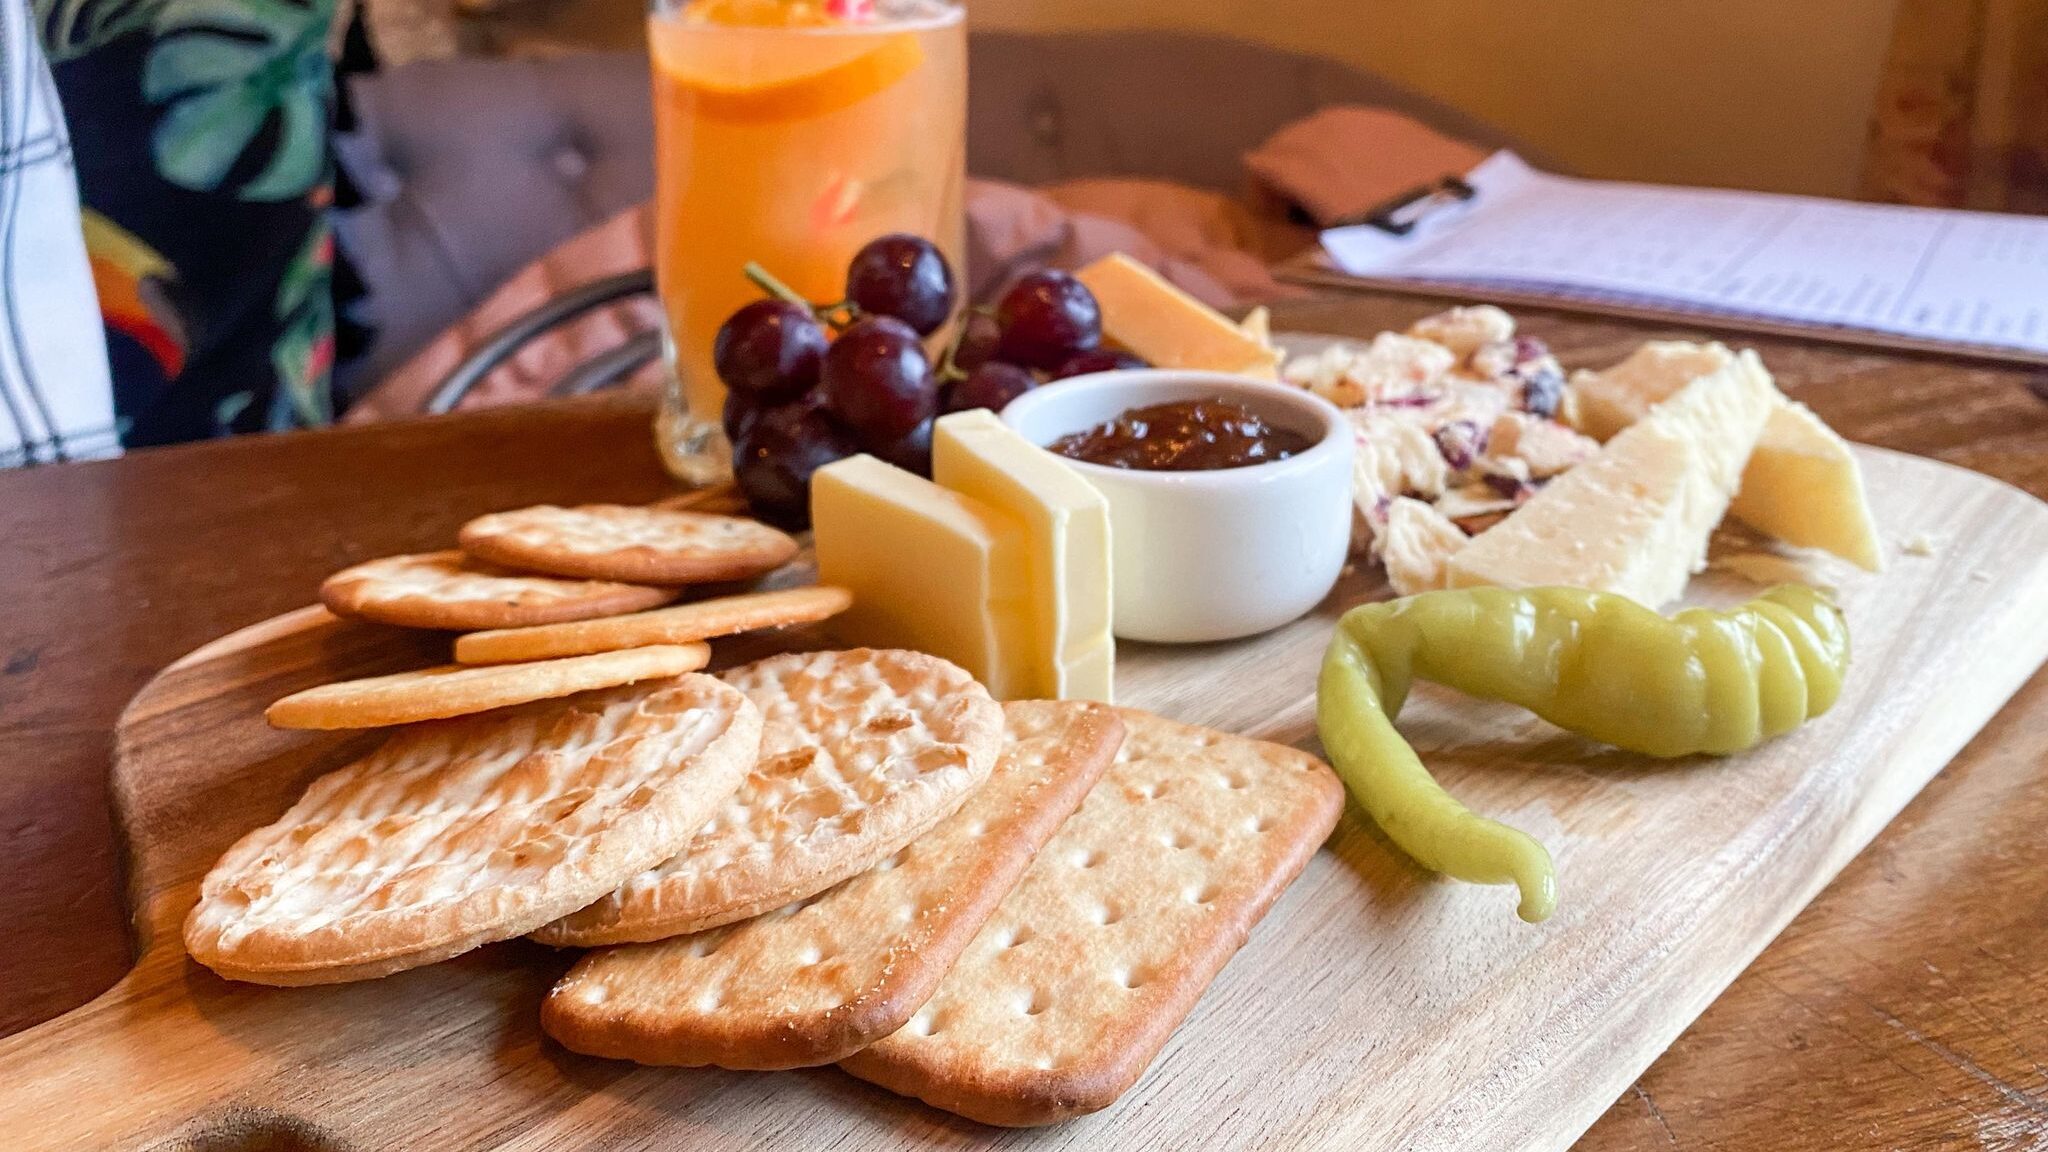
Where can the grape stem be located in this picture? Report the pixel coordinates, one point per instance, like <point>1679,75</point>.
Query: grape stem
<point>949,371</point>
<point>837,315</point>
<point>766,282</point>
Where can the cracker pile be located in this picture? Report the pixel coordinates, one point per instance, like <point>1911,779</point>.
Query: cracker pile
<point>853,856</point>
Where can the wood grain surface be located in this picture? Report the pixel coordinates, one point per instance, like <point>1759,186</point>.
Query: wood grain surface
<point>1378,1007</point>
<point>1901,1010</point>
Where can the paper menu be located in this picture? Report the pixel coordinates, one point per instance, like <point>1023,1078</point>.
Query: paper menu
<point>1965,278</point>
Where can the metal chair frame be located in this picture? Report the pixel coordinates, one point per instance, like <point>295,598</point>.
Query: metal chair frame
<point>605,370</point>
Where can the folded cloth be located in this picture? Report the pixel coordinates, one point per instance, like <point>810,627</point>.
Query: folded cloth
<point>1207,243</point>
<point>1341,162</point>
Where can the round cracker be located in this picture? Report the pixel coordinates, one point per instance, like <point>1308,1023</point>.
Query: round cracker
<point>449,590</point>
<point>861,752</point>
<point>625,542</point>
<point>458,833</point>
<point>461,689</point>
<point>676,624</point>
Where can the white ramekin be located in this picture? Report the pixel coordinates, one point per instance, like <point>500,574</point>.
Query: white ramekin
<point>1210,555</point>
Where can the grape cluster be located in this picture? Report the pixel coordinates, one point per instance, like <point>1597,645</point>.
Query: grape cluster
<point>799,397</point>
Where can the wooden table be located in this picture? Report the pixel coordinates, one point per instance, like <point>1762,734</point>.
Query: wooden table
<point>1906,1008</point>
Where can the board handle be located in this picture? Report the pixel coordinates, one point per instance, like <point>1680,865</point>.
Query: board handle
<point>163,1057</point>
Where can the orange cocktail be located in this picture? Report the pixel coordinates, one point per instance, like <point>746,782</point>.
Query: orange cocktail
<point>790,132</point>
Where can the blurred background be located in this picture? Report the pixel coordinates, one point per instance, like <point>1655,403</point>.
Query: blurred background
<point>1760,94</point>
<point>346,201</point>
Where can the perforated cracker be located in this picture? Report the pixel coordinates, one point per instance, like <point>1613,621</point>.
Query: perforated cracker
<point>818,979</point>
<point>1099,953</point>
<point>676,624</point>
<point>863,751</point>
<point>457,833</point>
<point>449,590</point>
<point>650,545</point>
<point>460,690</point>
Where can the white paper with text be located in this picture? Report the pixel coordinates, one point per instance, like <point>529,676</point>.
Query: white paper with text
<point>1969,278</point>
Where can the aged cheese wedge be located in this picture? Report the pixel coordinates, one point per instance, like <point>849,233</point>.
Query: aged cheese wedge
<point>1635,519</point>
<point>1072,655</point>
<point>1802,485</point>
<point>929,569</point>
<point>1258,324</point>
<point>1145,314</point>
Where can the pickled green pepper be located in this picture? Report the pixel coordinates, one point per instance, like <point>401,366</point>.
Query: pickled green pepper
<point>1600,665</point>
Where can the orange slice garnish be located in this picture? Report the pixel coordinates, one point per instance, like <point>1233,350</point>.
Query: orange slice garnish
<point>805,97</point>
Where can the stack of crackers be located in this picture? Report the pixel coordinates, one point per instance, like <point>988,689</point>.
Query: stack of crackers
<point>854,857</point>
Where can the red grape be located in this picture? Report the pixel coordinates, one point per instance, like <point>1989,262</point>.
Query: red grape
<point>979,335</point>
<point>1047,317</point>
<point>991,386</point>
<point>738,415</point>
<point>1100,360</point>
<point>877,381</point>
<point>770,349</point>
<point>902,276</point>
<point>911,452</point>
<point>774,458</point>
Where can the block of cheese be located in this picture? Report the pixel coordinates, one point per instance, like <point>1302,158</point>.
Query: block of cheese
<point>930,570</point>
<point>1635,518</point>
<point>1614,398</point>
<point>1072,655</point>
<point>1144,314</point>
<point>1802,486</point>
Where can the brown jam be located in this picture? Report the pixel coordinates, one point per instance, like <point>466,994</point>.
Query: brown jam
<point>1185,436</point>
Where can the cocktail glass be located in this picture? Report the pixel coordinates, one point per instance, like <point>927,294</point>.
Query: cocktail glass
<point>790,133</point>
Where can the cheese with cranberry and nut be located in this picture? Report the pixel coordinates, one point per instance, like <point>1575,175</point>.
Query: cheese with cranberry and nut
<point>1147,316</point>
<point>1803,484</point>
<point>1635,519</point>
<point>1459,417</point>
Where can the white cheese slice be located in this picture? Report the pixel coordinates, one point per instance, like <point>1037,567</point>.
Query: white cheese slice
<point>1614,398</point>
<point>1803,484</point>
<point>1635,519</point>
<point>1145,314</point>
<point>1417,545</point>
<point>930,570</point>
<point>1072,655</point>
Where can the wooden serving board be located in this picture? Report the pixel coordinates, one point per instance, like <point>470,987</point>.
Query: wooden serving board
<point>1377,1007</point>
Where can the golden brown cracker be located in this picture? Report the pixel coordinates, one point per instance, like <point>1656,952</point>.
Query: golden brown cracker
<point>448,590</point>
<point>676,624</point>
<point>457,833</point>
<point>460,689</point>
<point>862,752</point>
<point>821,978</point>
<point>639,544</point>
<point>1096,956</point>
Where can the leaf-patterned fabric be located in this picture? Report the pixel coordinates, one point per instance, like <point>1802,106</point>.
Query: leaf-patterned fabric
<point>200,130</point>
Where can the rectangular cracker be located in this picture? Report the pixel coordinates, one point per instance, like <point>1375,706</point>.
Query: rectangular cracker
<point>1099,953</point>
<point>816,980</point>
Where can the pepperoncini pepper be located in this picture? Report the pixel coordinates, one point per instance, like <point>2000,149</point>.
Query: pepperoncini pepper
<point>1594,663</point>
